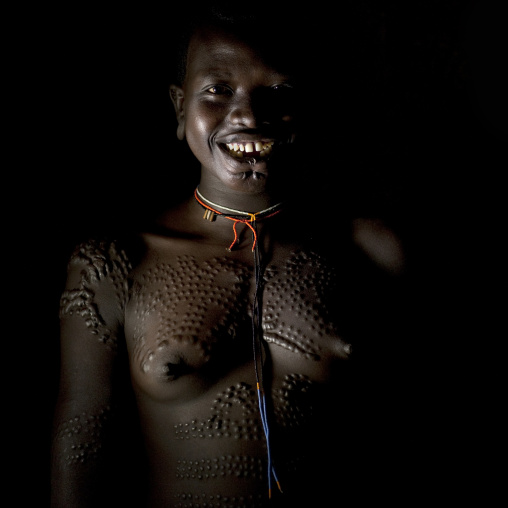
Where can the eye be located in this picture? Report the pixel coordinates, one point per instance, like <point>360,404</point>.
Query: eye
<point>282,92</point>
<point>282,87</point>
<point>219,90</point>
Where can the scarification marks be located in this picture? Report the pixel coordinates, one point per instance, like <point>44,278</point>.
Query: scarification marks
<point>292,401</point>
<point>298,292</point>
<point>192,305</point>
<point>237,467</point>
<point>83,435</point>
<point>234,414</point>
<point>100,261</point>
<point>81,302</point>
<point>192,500</point>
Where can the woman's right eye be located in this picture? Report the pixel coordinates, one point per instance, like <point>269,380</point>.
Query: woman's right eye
<point>219,90</point>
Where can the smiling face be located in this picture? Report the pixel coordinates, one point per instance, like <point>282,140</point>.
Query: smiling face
<point>237,113</point>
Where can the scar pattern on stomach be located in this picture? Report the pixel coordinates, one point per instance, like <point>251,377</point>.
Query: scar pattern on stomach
<point>234,414</point>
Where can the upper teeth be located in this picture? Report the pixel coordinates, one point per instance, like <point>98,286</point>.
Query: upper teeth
<point>262,148</point>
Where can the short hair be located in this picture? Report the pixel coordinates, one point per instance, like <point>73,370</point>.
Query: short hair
<point>272,31</point>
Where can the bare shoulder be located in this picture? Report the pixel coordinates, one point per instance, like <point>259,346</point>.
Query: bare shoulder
<point>380,243</point>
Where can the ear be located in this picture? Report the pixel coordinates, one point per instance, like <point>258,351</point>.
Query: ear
<point>177,98</point>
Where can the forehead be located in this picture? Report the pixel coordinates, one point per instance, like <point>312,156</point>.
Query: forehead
<point>214,48</point>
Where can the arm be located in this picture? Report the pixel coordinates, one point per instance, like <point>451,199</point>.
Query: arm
<point>92,361</point>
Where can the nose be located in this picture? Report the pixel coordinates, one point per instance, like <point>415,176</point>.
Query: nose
<point>242,113</point>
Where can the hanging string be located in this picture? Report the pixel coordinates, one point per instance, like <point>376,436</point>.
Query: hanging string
<point>239,216</point>
<point>257,332</point>
<point>257,346</point>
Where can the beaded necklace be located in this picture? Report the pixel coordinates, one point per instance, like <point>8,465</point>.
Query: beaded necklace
<point>236,216</point>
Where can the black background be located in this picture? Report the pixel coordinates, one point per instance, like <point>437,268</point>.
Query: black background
<point>416,140</point>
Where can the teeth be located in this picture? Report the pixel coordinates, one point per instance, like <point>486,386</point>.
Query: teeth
<point>263,148</point>
<point>266,151</point>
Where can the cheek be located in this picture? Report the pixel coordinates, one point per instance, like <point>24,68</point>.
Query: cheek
<point>200,127</point>
<point>197,134</point>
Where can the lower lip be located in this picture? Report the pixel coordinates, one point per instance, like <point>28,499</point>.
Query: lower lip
<point>245,159</point>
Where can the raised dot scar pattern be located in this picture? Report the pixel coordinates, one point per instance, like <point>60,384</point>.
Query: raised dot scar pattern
<point>297,298</point>
<point>191,305</point>
<point>234,414</point>
<point>83,436</point>
<point>234,466</point>
<point>193,500</point>
<point>292,405</point>
<point>100,261</point>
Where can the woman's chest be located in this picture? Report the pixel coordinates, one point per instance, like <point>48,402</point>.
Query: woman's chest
<point>197,319</point>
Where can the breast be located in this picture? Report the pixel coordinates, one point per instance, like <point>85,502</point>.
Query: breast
<point>304,311</point>
<point>189,321</point>
<point>185,318</point>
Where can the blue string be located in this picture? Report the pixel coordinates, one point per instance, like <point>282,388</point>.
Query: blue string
<point>256,330</point>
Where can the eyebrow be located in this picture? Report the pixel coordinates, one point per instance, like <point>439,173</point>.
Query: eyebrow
<point>217,74</point>
<point>212,73</point>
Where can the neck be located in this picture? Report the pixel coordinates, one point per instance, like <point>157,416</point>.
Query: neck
<point>226,210</point>
<point>238,199</point>
<point>250,219</point>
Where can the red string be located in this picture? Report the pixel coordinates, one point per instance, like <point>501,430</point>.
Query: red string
<point>245,221</point>
<point>236,221</point>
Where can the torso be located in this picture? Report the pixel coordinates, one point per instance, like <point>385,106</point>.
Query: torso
<point>171,314</point>
<point>189,334</point>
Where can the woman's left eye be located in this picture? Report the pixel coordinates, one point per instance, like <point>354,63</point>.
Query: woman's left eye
<point>282,87</point>
<point>282,91</point>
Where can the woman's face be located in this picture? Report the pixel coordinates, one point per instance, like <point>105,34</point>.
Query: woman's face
<point>236,112</point>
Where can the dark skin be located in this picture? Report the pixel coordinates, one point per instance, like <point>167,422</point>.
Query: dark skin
<point>175,307</point>
<point>231,96</point>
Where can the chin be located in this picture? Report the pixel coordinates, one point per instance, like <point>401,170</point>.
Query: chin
<point>250,180</point>
<point>250,173</point>
<point>247,173</point>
